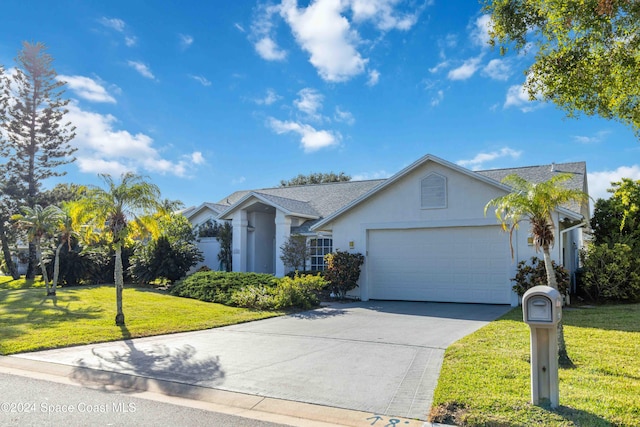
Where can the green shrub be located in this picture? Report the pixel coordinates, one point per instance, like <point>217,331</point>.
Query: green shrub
<point>255,297</point>
<point>219,286</point>
<point>343,271</point>
<point>535,274</point>
<point>611,273</point>
<point>297,292</point>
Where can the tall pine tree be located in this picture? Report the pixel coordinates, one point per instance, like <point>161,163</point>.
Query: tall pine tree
<point>37,139</point>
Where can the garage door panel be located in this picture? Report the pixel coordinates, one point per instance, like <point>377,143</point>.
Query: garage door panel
<point>456,264</point>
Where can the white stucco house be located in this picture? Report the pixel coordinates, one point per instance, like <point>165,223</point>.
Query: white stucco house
<point>423,231</point>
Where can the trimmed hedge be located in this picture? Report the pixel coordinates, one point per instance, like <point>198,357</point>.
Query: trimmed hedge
<point>219,286</point>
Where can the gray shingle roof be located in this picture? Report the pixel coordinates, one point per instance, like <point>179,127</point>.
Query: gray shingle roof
<point>321,199</point>
<point>291,205</point>
<point>543,173</point>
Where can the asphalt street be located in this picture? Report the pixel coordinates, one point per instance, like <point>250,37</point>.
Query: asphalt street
<point>33,402</point>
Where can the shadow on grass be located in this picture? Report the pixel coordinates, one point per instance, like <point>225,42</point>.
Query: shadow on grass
<point>134,369</point>
<point>580,417</point>
<point>37,313</point>
<point>32,307</point>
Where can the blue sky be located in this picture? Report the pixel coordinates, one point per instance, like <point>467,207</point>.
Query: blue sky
<point>206,98</point>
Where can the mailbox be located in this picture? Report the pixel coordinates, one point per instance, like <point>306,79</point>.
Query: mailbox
<point>542,311</point>
<point>542,306</point>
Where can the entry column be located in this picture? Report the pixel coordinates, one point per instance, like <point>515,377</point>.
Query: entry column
<point>239,245</point>
<point>283,231</point>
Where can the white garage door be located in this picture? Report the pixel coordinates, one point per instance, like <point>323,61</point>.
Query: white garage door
<point>453,264</point>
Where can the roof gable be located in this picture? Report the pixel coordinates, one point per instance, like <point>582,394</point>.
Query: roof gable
<point>215,209</point>
<point>404,172</point>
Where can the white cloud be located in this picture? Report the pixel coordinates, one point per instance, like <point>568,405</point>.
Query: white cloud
<point>322,31</point>
<point>311,139</point>
<point>271,97</point>
<point>518,97</point>
<point>309,102</point>
<point>141,68</point>
<point>185,40</point>
<point>466,70</point>
<point>344,116</point>
<point>119,26</point>
<point>327,31</point>
<point>371,175</point>
<point>374,77</point>
<point>439,66</point>
<point>498,69</point>
<point>595,139</point>
<point>104,149</point>
<point>437,99</point>
<point>269,50</point>
<point>87,88</point>
<point>599,182</point>
<point>200,79</point>
<point>238,180</point>
<point>478,161</point>
<point>113,23</point>
<point>480,31</point>
<point>382,14</point>
<point>262,33</point>
<point>197,158</point>
<point>239,27</point>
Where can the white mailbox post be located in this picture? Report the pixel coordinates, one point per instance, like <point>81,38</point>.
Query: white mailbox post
<point>542,310</point>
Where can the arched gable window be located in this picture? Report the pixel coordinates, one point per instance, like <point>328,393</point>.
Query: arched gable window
<point>433,191</point>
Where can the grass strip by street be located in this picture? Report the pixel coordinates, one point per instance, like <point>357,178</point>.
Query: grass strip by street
<point>29,320</point>
<point>485,379</point>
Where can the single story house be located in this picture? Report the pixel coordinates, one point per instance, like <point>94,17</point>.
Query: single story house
<point>423,230</point>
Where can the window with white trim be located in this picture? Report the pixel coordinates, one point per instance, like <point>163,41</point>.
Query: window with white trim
<point>433,191</point>
<point>319,247</point>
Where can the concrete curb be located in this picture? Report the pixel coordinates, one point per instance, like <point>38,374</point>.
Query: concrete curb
<point>232,403</point>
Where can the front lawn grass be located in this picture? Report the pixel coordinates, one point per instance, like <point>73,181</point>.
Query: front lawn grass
<point>485,377</point>
<point>29,320</point>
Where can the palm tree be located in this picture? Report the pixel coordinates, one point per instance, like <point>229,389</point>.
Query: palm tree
<point>66,230</point>
<point>535,203</point>
<point>39,222</point>
<point>117,211</point>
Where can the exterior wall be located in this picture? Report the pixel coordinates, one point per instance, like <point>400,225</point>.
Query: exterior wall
<point>260,242</point>
<point>399,207</point>
<point>210,248</point>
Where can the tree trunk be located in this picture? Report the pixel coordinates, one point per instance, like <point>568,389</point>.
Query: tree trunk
<point>31,266</point>
<point>43,267</point>
<point>56,269</point>
<point>6,251</point>
<point>118,278</point>
<point>563,357</point>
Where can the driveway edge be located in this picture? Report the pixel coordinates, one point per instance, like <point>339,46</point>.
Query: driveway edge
<point>232,403</point>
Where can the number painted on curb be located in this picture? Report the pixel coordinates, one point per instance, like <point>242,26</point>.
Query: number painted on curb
<point>391,422</point>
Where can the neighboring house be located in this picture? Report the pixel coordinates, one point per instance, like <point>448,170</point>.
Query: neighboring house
<point>423,231</point>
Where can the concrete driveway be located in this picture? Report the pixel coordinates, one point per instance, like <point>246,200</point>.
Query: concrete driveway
<point>382,357</point>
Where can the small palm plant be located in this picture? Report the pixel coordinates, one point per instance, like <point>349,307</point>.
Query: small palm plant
<point>535,203</point>
<point>39,223</point>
